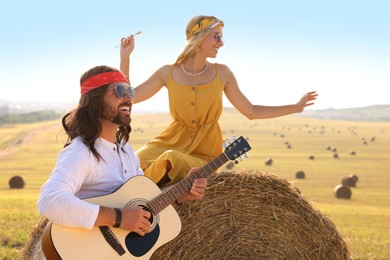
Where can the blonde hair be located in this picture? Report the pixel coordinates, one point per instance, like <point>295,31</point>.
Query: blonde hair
<point>193,43</point>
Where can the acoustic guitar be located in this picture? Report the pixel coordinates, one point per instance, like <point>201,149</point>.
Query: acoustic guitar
<point>61,242</point>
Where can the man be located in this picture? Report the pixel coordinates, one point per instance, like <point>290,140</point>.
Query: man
<point>97,159</point>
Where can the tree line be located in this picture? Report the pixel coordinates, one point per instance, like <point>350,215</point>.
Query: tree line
<point>32,117</point>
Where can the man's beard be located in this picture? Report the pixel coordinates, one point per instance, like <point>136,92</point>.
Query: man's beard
<point>117,119</point>
<point>113,115</point>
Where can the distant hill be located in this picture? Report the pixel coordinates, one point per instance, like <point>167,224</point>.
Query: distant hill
<point>24,107</point>
<point>375,113</point>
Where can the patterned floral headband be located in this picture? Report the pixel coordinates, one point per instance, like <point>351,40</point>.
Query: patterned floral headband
<point>203,24</point>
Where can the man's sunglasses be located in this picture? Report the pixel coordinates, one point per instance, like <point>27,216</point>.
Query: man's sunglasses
<point>121,91</point>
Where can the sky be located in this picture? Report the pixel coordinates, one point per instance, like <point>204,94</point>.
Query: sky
<point>278,50</point>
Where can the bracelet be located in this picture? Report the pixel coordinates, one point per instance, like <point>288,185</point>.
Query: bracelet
<point>118,218</point>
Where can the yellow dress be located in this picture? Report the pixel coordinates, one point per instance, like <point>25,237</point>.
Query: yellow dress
<point>193,138</point>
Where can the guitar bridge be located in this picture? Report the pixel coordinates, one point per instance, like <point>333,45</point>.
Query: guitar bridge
<point>112,240</point>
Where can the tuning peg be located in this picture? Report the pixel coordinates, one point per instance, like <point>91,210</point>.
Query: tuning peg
<point>246,155</point>
<point>224,145</point>
<point>233,137</point>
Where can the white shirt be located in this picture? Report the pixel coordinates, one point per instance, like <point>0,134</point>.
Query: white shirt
<point>79,175</point>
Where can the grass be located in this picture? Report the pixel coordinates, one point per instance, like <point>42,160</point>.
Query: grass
<point>30,151</point>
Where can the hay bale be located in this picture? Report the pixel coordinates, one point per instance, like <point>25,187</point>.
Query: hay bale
<point>268,161</point>
<point>342,192</point>
<point>350,180</point>
<point>229,165</point>
<point>300,175</point>
<point>249,215</point>
<point>33,247</point>
<point>16,182</point>
<point>354,176</point>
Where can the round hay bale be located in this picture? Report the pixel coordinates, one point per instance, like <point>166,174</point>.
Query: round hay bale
<point>342,192</point>
<point>354,176</point>
<point>300,175</point>
<point>349,181</point>
<point>252,215</point>
<point>246,215</point>
<point>33,247</point>
<point>229,165</point>
<point>352,152</point>
<point>268,161</point>
<point>311,157</point>
<point>16,182</point>
<point>335,156</point>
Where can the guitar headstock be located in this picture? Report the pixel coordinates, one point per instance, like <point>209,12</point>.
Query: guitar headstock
<point>238,148</point>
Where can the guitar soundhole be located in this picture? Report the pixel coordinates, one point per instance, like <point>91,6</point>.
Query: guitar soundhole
<point>154,219</point>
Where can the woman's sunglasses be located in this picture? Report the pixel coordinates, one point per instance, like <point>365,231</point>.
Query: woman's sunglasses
<point>121,91</point>
<point>218,37</point>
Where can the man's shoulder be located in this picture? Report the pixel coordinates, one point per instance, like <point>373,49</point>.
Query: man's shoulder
<point>76,146</point>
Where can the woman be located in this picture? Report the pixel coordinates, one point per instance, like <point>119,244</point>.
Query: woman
<point>195,88</point>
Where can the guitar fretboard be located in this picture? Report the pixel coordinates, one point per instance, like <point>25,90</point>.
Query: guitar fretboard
<point>171,194</point>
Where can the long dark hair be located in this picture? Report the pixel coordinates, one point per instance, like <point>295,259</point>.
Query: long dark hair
<point>84,121</point>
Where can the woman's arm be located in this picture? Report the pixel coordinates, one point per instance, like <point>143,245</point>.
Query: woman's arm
<point>126,48</point>
<point>245,107</point>
<point>151,86</point>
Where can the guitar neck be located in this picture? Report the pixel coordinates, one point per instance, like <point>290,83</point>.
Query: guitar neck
<point>171,194</point>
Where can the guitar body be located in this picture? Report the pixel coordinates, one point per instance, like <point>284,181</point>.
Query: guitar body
<point>78,243</point>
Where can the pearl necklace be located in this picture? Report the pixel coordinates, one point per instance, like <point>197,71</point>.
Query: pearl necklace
<point>194,74</point>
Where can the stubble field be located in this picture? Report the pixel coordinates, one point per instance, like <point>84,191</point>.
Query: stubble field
<point>30,151</point>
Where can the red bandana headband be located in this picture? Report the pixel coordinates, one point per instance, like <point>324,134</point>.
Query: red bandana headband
<point>101,79</point>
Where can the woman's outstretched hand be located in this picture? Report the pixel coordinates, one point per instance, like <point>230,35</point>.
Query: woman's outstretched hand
<point>306,100</point>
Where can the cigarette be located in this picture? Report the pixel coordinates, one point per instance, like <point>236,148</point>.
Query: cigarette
<point>139,32</point>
